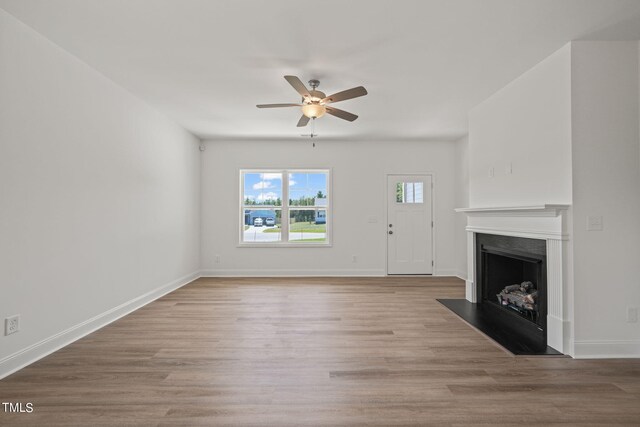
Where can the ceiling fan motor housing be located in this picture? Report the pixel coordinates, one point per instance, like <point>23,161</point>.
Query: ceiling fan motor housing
<point>316,96</point>
<point>312,108</point>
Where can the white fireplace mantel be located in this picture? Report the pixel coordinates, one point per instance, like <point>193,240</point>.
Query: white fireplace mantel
<point>544,210</point>
<point>546,222</point>
<point>534,222</point>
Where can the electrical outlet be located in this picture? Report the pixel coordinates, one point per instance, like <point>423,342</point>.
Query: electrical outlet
<point>354,258</point>
<point>12,324</point>
<point>632,314</point>
<point>492,172</point>
<point>217,259</point>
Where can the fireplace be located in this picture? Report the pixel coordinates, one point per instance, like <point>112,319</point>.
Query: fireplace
<point>546,234</point>
<point>512,285</point>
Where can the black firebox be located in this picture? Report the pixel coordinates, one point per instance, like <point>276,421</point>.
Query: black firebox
<point>511,280</point>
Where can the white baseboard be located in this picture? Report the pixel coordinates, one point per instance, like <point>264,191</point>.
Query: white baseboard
<point>445,272</point>
<point>34,352</point>
<point>607,349</point>
<point>293,273</point>
<point>461,275</point>
<point>310,273</point>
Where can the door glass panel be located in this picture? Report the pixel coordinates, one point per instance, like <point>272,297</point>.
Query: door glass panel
<point>409,192</point>
<point>417,192</point>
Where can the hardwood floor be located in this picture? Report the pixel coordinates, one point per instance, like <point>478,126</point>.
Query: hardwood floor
<point>313,351</point>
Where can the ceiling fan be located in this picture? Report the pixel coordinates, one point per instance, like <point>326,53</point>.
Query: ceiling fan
<point>314,103</point>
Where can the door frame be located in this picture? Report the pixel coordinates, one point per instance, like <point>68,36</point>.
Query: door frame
<point>433,218</point>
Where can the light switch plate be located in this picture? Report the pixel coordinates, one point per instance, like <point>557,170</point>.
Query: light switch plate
<point>594,223</point>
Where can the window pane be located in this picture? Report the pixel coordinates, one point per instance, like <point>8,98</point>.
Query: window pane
<point>262,225</point>
<point>262,189</point>
<point>417,192</point>
<point>308,225</point>
<point>308,189</point>
<point>409,192</point>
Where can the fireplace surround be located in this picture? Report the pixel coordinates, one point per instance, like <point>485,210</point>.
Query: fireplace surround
<point>549,226</point>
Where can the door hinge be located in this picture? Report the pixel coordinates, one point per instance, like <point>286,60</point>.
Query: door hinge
<point>432,264</point>
<point>431,224</point>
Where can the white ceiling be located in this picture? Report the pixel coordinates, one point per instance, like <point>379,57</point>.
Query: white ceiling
<point>425,63</point>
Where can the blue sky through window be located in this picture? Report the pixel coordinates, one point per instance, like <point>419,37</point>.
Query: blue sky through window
<point>263,188</point>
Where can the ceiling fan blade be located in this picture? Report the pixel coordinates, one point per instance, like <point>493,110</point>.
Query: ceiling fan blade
<point>298,86</point>
<point>345,94</point>
<point>277,105</point>
<point>345,115</point>
<point>303,121</point>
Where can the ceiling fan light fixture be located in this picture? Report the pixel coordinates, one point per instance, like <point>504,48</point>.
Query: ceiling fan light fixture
<point>313,111</point>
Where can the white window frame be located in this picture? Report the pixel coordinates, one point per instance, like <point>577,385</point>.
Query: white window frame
<point>285,209</point>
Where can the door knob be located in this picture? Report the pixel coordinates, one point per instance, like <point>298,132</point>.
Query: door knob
<point>390,232</point>
<point>390,225</point>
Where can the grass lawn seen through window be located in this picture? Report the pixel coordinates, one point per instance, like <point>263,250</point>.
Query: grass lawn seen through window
<point>301,227</point>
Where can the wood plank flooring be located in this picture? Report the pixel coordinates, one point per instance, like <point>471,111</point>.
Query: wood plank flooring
<point>313,351</point>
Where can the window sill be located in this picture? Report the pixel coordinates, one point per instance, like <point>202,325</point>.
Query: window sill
<point>284,245</point>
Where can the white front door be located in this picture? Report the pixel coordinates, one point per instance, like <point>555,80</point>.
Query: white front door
<point>409,224</point>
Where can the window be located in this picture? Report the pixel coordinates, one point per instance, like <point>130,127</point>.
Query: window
<point>409,192</point>
<point>285,207</point>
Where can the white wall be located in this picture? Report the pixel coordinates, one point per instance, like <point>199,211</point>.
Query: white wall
<point>606,182</point>
<point>461,182</point>
<point>359,187</point>
<point>527,125</point>
<point>98,197</point>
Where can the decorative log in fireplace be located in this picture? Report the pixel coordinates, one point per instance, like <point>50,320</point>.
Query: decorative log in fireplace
<point>521,298</point>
